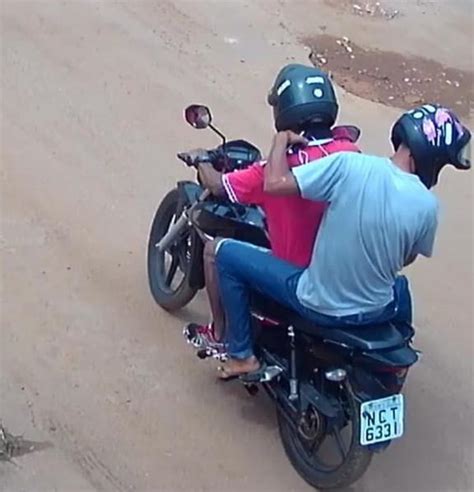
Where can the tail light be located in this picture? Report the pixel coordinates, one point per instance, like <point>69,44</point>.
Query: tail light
<point>392,377</point>
<point>399,371</point>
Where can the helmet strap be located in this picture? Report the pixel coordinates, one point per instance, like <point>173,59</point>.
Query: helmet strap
<point>317,131</point>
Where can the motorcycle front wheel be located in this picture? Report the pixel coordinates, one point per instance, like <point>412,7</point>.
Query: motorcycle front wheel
<point>326,459</point>
<point>169,271</point>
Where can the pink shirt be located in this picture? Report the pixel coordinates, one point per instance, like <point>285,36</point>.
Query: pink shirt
<point>292,221</point>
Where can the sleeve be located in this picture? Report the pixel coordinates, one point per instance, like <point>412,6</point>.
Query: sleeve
<point>245,186</point>
<point>319,180</point>
<point>425,243</point>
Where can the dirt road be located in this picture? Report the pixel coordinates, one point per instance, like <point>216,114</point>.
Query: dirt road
<point>92,98</point>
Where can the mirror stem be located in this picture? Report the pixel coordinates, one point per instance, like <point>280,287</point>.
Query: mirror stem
<point>215,130</point>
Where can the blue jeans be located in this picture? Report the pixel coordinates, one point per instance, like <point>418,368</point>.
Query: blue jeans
<point>243,268</point>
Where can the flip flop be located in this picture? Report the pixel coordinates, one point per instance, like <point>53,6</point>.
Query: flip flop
<point>252,376</point>
<point>255,376</point>
<point>224,376</point>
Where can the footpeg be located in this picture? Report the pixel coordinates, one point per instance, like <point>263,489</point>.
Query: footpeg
<point>265,375</point>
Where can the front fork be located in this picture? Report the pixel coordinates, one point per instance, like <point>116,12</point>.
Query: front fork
<point>184,222</point>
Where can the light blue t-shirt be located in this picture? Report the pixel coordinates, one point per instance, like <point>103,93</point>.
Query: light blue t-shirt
<point>378,218</point>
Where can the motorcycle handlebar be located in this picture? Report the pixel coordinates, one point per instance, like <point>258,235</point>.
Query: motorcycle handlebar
<point>194,157</point>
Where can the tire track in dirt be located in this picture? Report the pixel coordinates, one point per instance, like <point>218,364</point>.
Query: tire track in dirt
<point>92,467</point>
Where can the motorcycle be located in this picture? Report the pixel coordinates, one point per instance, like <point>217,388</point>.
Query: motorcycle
<point>337,391</point>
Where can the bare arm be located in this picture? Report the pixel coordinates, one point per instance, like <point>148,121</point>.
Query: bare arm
<point>278,179</point>
<point>211,179</point>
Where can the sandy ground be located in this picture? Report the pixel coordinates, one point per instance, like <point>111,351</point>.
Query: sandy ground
<point>92,98</point>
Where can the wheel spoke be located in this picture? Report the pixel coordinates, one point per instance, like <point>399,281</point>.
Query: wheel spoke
<point>172,270</point>
<point>340,443</point>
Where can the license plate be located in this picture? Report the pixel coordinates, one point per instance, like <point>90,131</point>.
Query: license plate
<point>381,420</point>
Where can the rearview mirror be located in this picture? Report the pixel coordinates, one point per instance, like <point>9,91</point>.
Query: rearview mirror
<point>198,116</point>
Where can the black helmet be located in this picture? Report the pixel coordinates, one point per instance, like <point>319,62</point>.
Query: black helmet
<point>302,95</point>
<point>435,137</point>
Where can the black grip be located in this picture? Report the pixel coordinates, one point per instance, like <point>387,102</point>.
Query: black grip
<point>192,159</point>
<point>185,157</point>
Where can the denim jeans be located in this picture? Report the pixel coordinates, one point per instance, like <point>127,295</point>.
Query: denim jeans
<point>243,268</point>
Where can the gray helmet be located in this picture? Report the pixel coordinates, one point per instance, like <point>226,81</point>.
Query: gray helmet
<point>301,95</point>
<point>435,137</point>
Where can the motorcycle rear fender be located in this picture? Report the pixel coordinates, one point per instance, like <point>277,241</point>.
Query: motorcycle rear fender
<point>381,373</point>
<point>404,356</point>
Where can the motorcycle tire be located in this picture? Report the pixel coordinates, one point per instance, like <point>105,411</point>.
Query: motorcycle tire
<point>353,467</point>
<point>168,299</point>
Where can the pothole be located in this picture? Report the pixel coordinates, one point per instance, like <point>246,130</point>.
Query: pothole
<point>391,78</point>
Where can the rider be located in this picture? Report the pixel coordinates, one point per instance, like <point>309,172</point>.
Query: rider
<point>304,102</point>
<point>381,215</point>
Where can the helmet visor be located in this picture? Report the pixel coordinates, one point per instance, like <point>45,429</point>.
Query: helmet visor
<point>464,156</point>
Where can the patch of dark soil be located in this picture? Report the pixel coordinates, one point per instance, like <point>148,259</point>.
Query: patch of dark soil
<point>391,78</point>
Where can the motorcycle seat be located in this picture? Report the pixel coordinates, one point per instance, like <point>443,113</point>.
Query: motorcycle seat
<point>366,338</point>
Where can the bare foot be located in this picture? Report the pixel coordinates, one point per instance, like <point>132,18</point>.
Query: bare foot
<point>238,367</point>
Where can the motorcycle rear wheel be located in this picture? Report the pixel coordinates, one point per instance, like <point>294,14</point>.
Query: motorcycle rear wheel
<point>354,463</point>
<point>160,275</point>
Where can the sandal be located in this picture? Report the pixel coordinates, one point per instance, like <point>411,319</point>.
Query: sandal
<point>224,374</point>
